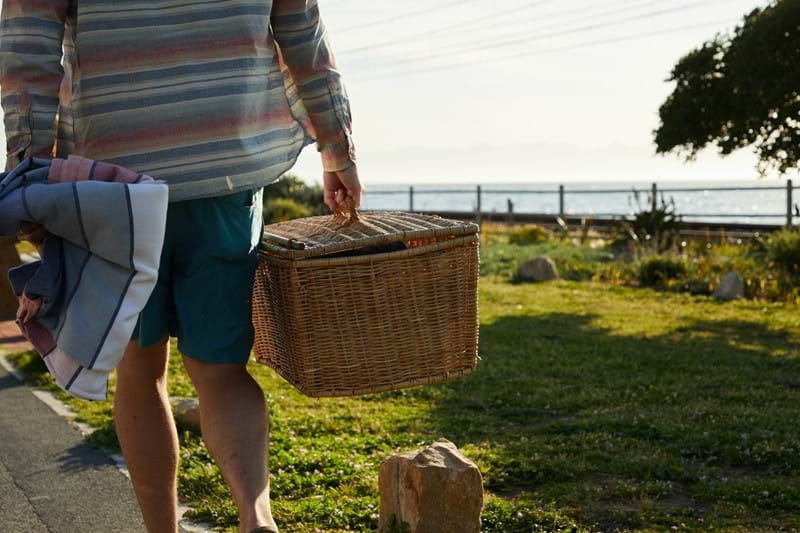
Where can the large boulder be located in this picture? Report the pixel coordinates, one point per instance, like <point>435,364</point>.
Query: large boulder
<point>186,412</point>
<point>540,269</point>
<point>433,490</point>
<point>731,287</point>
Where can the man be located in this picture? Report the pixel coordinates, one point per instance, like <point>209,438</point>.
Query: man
<point>217,98</point>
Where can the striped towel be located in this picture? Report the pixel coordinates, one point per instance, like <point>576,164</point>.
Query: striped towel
<point>99,262</point>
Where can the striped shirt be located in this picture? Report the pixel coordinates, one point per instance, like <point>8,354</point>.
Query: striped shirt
<point>212,96</point>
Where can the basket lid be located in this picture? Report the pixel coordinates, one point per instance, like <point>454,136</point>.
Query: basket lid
<point>321,235</point>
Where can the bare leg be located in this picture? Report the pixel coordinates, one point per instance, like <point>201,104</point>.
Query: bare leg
<point>147,433</point>
<point>235,426</point>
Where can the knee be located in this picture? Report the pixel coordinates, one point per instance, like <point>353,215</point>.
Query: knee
<point>215,374</point>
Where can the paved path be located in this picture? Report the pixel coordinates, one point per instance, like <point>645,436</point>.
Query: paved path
<point>51,479</point>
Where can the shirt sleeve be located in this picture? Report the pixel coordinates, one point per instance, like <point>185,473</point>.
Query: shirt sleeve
<point>31,35</point>
<point>306,51</point>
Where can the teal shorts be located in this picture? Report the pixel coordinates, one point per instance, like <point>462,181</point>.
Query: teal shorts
<point>205,278</point>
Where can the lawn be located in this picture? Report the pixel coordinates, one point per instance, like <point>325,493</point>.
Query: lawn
<point>594,408</point>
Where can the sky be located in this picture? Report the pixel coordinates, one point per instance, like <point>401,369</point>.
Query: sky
<point>519,90</point>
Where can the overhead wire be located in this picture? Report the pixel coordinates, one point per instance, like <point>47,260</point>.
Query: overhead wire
<point>544,51</point>
<point>564,24</point>
<point>469,24</point>
<point>420,12</point>
<point>464,48</point>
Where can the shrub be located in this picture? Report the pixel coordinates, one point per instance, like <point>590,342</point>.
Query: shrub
<point>695,285</point>
<point>528,235</point>
<point>783,249</point>
<point>293,188</point>
<point>282,209</point>
<point>653,229</point>
<point>657,269</point>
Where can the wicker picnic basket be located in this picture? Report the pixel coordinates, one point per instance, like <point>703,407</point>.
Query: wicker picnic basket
<point>377,302</point>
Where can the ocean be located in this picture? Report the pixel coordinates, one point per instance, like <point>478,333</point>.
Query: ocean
<point>758,202</point>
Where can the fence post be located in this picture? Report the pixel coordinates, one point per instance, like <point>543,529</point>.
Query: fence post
<point>561,200</point>
<point>411,198</point>
<point>478,211</point>
<point>789,203</point>
<point>654,201</point>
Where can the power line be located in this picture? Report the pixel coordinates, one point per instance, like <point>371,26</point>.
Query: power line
<point>468,25</point>
<point>527,33</point>
<point>592,16</point>
<point>529,38</point>
<point>411,14</point>
<point>544,51</point>
<point>443,29</point>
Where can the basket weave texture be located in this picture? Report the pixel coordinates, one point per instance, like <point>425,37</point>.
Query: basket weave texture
<point>367,321</point>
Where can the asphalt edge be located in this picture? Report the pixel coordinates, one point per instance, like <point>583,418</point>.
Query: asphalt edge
<point>185,525</point>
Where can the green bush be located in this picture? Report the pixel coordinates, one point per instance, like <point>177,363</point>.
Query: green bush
<point>652,229</point>
<point>528,235</point>
<point>294,188</point>
<point>695,285</point>
<point>282,209</point>
<point>783,249</point>
<point>656,270</point>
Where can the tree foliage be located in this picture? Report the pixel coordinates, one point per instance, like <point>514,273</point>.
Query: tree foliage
<point>293,188</point>
<point>740,89</point>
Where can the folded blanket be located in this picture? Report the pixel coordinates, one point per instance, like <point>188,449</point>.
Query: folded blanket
<point>98,264</point>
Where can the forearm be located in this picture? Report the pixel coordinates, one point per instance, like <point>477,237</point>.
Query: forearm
<point>306,51</point>
<point>31,35</point>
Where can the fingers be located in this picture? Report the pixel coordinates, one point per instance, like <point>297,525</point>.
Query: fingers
<point>349,178</point>
<point>339,186</point>
<point>330,199</point>
<point>23,312</point>
<point>355,194</point>
<point>35,235</point>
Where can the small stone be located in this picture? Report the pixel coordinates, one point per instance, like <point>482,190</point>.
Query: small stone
<point>731,287</point>
<point>186,412</point>
<point>540,269</point>
<point>432,490</point>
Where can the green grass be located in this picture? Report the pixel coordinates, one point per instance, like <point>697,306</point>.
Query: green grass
<point>593,408</point>
<point>767,265</point>
<point>575,262</point>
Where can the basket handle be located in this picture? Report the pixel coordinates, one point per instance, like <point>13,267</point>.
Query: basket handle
<point>352,216</point>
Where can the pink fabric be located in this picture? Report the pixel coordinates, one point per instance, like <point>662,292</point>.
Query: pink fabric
<point>37,335</point>
<point>76,168</point>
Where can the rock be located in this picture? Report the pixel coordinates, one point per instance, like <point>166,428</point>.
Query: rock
<point>731,287</point>
<point>433,490</point>
<point>186,412</point>
<point>540,269</point>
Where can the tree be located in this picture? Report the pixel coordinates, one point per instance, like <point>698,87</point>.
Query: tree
<point>8,258</point>
<point>293,188</point>
<point>738,90</point>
